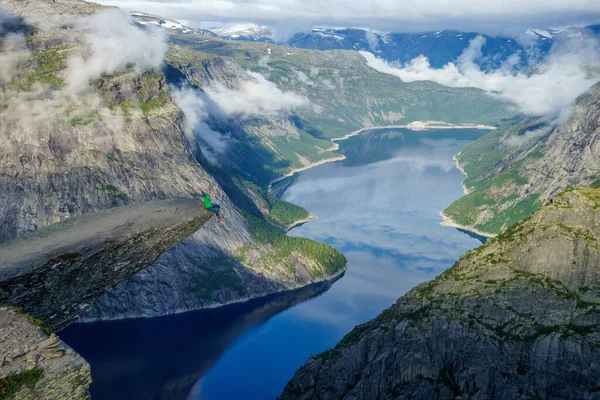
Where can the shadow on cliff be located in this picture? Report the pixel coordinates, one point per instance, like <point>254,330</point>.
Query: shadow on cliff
<point>10,23</point>
<point>246,156</point>
<point>162,358</point>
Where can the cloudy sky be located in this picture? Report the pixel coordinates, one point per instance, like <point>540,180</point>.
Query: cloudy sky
<point>383,15</point>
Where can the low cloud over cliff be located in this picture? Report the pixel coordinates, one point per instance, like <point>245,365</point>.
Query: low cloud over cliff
<point>254,97</point>
<point>114,44</point>
<point>549,88</point>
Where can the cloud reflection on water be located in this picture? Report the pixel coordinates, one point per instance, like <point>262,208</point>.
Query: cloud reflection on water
<point>380,208</point>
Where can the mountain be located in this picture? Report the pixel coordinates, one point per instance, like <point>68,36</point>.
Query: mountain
<point>124,140</point>
<point>514,170</point>
<point>267,147</point>
<point>253,33</point>
<point>142,19</point>
<point>441,47</point>
<point>36,364</point>
<point>515,318</point>
<point>121,141</point>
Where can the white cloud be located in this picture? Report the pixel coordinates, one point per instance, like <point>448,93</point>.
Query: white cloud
<point>255,97</point>
<point>386,15</point>
<point>196,109</point>
<point>553,86</point>
<point>114,44</point>
<point>14,52</point>
<point>303,78</point>
<point>527,137</point>
<point>373,40</point>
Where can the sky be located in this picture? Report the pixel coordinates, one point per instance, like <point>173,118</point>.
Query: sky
<point>489,16</point>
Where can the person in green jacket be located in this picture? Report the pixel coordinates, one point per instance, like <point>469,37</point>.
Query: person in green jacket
<point>208,204</point>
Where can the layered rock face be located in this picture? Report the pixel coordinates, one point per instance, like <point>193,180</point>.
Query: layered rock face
<point>35,366</point>
<point>58,272</point>
<point>513,171</point>
<point>121,141</point>
<point>218,265</point>
<point>517,318</point>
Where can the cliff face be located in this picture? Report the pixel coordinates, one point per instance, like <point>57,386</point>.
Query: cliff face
<point>184,332</point>
<point>516,318</point>
<point>77,261</point>
<point>35,366</point>
<point>513,171</point>
<point>118,141</point>
<point>216,266</point>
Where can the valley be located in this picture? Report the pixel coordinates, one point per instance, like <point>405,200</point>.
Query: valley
<point>390,249</point>
<point>331,172</point>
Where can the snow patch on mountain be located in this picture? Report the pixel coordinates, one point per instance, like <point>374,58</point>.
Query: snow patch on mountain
<point>249,32</point>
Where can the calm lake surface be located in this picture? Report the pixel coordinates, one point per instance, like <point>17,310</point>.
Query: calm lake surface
<point>380,207</point>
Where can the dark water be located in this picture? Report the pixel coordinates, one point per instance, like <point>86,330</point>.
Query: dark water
<point>380,207</point>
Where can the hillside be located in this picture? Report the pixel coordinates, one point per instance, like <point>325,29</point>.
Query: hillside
<point>512,171</point>
<point>268,145</point>
<point>440,47</point>
<point>345,94</point>
<point>85,131</point>
<point>515,318</point>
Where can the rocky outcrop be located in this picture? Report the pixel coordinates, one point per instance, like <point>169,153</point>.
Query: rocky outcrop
<point>83,166</point>
<point>34,365</point>
<point>517,318</point>
<point>513,171</point>
<point>121,142</point>
<point>58,272</point>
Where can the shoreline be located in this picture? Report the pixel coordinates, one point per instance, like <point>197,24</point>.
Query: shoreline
<point>302,221</point>
<point>417,126</point>
<point>311,165</point>
<point>447,221</point>
<point>466,191</point>
<point>324,279</point>
<point>414,126</point>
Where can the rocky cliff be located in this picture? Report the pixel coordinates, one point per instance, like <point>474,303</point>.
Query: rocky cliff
<point>513,171</point>
<point>36,364</point>
<point>84,132</point>
<point>56,273</point>
<point>517,318</point>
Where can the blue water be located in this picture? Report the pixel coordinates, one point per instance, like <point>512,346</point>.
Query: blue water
<point>380,207</point>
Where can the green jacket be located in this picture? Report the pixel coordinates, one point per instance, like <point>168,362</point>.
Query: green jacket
<point>207,203</point>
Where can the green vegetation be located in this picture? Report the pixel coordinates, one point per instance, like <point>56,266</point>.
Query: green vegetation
<point>284,212</point>
<point>37,322</point>
<point>276,211</point>
<point>506,210</point>
<point>154,103</point>
<point>153,95</point>
<point>44,67</point>
<point>490,155</point>
<point>497,165</point>
<point>12,384</point>
<point>127,106</point>
<point>220,280</point>
<point>86,119</point>
<point>183,57</point>
<point>330,259</point>
<point>535,155</point>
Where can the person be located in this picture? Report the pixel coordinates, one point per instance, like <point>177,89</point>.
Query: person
<point>208,204</point>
